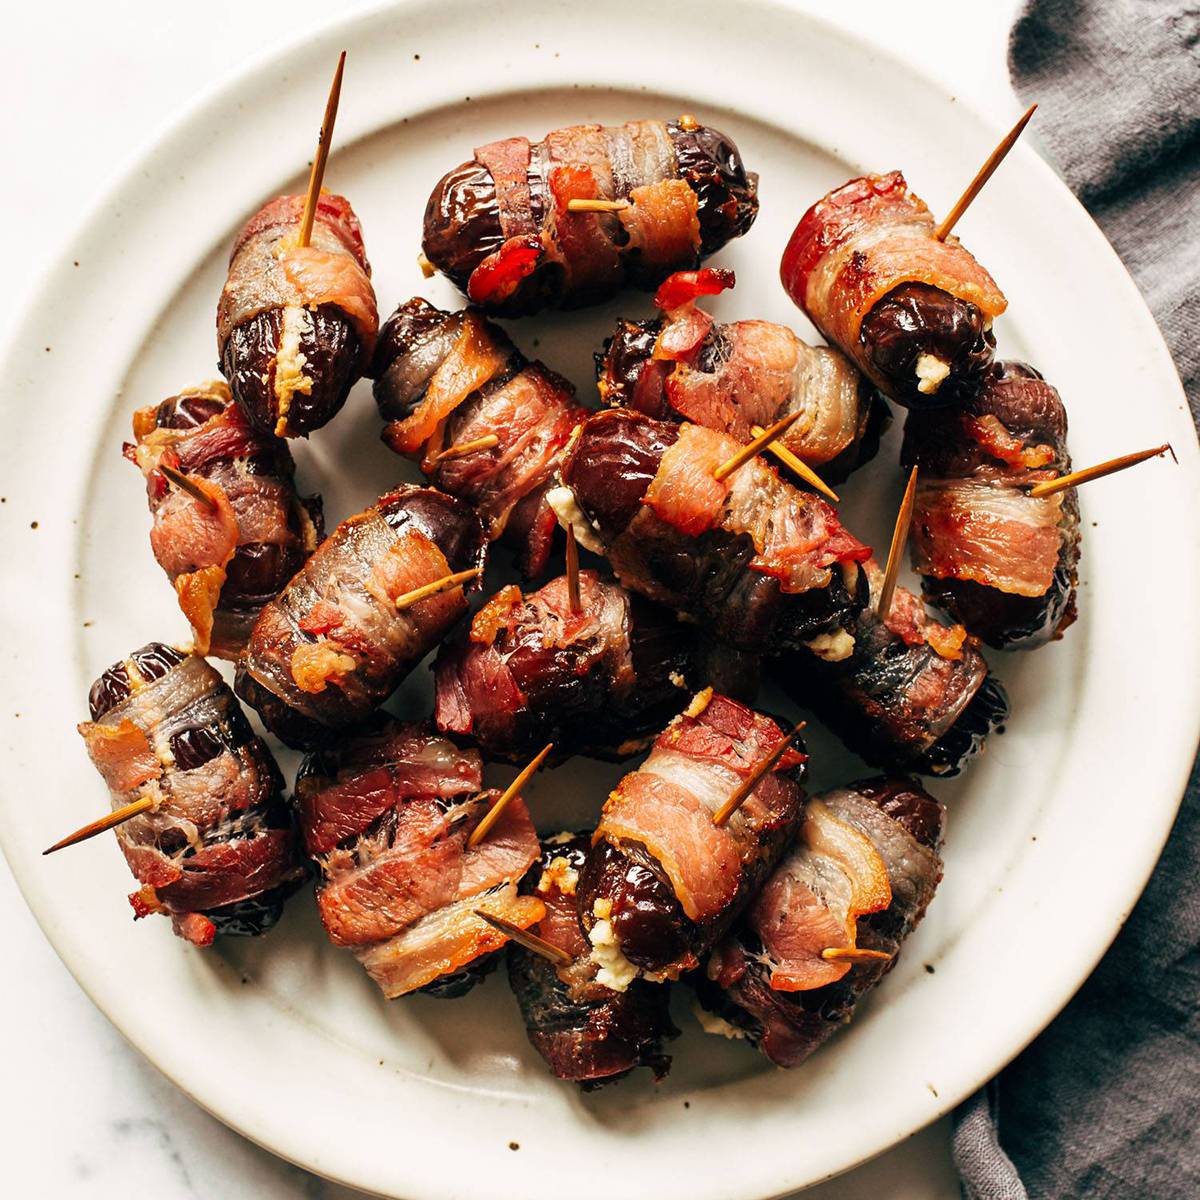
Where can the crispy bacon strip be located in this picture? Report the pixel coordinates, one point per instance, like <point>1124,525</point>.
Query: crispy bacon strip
<point>388,815</point>
<point>879,834</point>
<point>797,536</point>
<point>229,556</point>
<point>268,269</point>
<point>866,238</point>
<point>452,379</point>
<point>1000,560</point>
<point>667,805</point>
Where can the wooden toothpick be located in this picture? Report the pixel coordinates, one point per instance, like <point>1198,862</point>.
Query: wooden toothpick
<point>117,817</point>
<point>584,205</point>
<point>493,814</point>
<point>317,175</point>
<point>522,937</point>
<point>853,954</point>
<point>573,571</point>
<point>760,443</point>
<point>797,465</point>
<point>438,585</point>
<point>983,175</point>
<point>184,484</point>
<point>462,449</point>
<point>1099,471</point>
<point>896,549</point>
<point>748,785</point>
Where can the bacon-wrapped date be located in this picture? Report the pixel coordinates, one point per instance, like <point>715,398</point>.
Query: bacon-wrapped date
<point>663,882</point>
<point>912,312</point>
<point>229,556</point>
<point>913,695</point>
<point>217,851</point>
<point>332,646</point>
<point>829,922</point>
<point>296,325</point>
<point>755,561</point>
<point>500,227</point>
<point>386,815</point>
<point>685,366</point>
<point>588,1033</point>
<point>1002,562</point>
<point>446,379</point>
<point>601,681</point>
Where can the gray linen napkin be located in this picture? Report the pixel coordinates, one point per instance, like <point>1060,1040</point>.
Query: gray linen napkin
<point>1105,1103</point>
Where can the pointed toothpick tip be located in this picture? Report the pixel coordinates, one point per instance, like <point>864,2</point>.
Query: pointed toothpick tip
<point>494,813</point>
<point>408,599</point>
<point>985,173</point>
<point>757,446</point>
<point>798,466</point>
<point>896,549</point>
<point>1111,467</point>
<point>117,817</point>
<point>317,174</point>
<point>522,937</point>
<point>179,480</point>
<point>722,815</point>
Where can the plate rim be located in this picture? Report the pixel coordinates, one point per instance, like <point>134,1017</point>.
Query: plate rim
<point>175,126</point>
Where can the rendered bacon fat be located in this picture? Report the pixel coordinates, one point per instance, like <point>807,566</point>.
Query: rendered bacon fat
<point>333,646</point>
<point>447,379</point>
<point>858,878</point>
<point>662,881</point>
<point>1002,562</point>
<point>912,312</point>
<point>228,557</point>
<point>500,227</point>
<point>588,1033</point>
<point>217,852</point>
<point>913,695</point>
<point>601,681</point>
<point>296,325</point>
<point>685,366</point>
<point>386,816</point>
<point>754,560</point>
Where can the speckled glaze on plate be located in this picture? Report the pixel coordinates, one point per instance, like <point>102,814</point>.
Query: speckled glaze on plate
<point>1051,836</point>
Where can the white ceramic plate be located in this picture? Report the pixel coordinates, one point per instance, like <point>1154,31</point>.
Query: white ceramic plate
<point>1051,836</point>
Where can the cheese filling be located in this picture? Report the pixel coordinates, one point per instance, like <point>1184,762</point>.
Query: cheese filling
<point>616,971</point>
<point>931,371</point>
<point>832,647</point>
<point>289,364</point>
<point>570,516</point>
<point>711,1023</point>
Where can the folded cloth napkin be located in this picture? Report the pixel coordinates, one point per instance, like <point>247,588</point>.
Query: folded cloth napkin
<point>1104,1104</point>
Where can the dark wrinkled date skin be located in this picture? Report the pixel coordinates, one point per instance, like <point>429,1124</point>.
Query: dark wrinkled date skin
<point>653,930</point>
<point>462,221</point>
<point>595,1036</point>
<point>649,921</point>
<point>613,465</point>
<point>151,662</point>
<point>916,319</point>
<point>332,349</point>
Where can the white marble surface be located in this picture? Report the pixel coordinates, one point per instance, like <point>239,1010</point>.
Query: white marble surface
<point>83,87</point>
